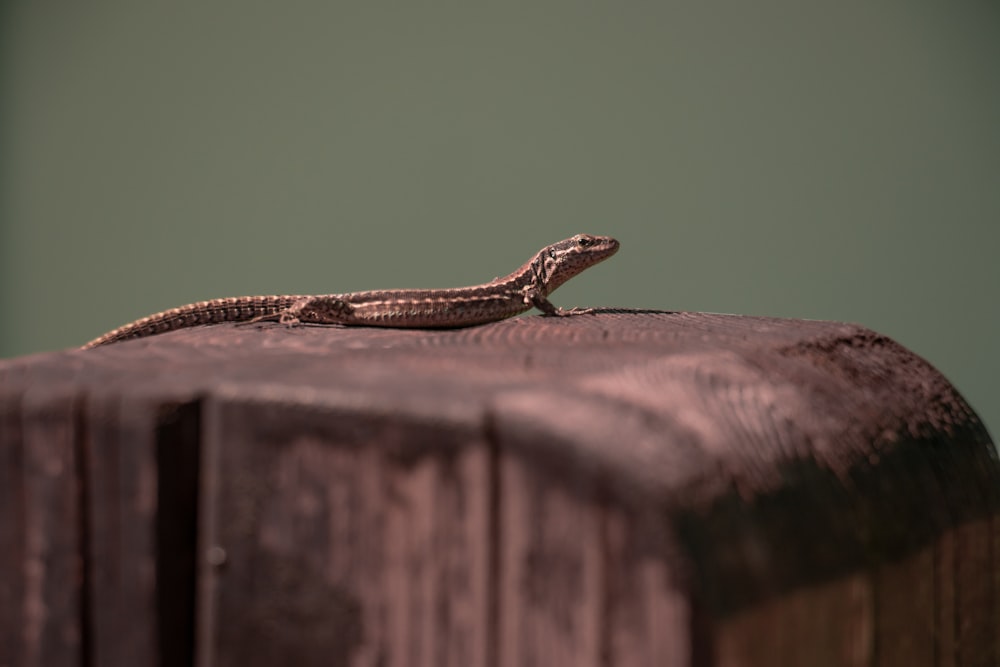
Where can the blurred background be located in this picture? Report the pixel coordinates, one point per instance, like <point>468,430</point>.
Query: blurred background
<point>828,160</point>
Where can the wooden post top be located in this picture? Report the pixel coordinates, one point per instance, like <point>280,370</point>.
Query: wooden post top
<point>688,406</point>
<point>691,410</point>
<point>695,404</point>
<point>762,454</point>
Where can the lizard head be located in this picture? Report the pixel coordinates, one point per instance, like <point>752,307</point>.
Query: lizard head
<point>560,261</point>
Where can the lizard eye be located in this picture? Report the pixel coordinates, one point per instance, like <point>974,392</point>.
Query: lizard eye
<point>583,241</point>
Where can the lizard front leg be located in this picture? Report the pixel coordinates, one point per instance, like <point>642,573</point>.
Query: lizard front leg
<point>535,298</point>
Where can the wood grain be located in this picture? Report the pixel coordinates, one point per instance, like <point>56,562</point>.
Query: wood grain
<point>623,488</point>
<point>40,571</point>
<point>119,469</point>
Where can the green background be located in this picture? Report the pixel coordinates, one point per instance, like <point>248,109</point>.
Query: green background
<point>830,160</point>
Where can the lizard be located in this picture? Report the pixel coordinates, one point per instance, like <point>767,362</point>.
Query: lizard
<point>513,294</point>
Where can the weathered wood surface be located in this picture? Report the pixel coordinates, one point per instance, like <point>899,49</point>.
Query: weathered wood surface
<point>614,489</point>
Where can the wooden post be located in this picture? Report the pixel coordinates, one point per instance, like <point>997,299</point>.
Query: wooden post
<point>622,488</point>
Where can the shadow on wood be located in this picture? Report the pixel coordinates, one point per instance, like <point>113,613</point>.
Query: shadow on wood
<point>621,488</point>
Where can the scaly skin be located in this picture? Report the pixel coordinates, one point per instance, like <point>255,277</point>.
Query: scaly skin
<point>527,287</point>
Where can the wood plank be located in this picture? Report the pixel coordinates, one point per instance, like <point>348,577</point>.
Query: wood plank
<point>437,557</point>
<point>905,619</point>
<point>945,602</point>
<point>124,507</point>
<point>346,540</point>
<point>830,625</point>
<point>966,595</point>
<point>649,611</point>
<point>13,531</point>
<point>551,573</point>
<point>51,631</point>
<point>121,492</point>
<point>975,595</point>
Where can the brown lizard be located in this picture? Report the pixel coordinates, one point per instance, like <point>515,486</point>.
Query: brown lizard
<point>498,299</point>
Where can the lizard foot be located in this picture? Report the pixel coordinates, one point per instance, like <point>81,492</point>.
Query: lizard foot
<point>566,312</point>
<point>288,318</point>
